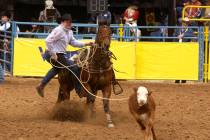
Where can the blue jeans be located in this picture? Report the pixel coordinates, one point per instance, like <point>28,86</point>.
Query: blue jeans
<point>54,70</point>
<point>1,74</point>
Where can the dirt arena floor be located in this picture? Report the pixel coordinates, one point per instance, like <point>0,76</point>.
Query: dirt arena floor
<point>183,113</point>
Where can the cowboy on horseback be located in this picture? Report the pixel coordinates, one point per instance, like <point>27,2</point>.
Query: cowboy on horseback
<point>57,42</point>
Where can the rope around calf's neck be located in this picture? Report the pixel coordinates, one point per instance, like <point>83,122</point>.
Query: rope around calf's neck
<point>120,99</point>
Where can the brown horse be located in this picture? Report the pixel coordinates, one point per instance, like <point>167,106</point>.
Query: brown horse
<point>96,74</point>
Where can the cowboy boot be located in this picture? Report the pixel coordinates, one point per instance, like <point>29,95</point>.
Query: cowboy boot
<point>50,74</point>
<point>40,90</point>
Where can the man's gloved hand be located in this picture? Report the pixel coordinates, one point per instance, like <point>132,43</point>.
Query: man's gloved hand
<point>74,58</point>
<point>54,57</point>
<point>90,44</point>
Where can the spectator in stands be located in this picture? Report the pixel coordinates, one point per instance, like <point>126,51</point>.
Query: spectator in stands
<point>50,13</point>
<point>158,32</point>
<point>91,20</point>
<point>184,32</point>
<point>189,12</point>
<point>181,34</point>
<point>34,29</point>
<point>91,30</point>
<point>192,12</point>
<point>5,25</point>
<point>117,18</point>
<point>207,12</point>
<point>130,16</point>
<point>5,36</point>
<point>1,74</point>
<point>179,7</point>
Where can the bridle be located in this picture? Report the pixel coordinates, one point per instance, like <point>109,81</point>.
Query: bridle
<point>100,60</point>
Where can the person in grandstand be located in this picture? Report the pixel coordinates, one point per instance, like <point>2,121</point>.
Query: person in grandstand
<point>192,12</point>
<point>1,74</point>
<point>5,36</point>
<point>50,13</point>
<point>130,17</point>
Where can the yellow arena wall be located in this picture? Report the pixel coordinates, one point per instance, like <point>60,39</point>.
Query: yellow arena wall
<point>142,60</point>
<point>208,65</point>
<point>167,60</point>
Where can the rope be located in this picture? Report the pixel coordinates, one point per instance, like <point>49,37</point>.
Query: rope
<point>84,64</point>
<point>79,62</point>
<point>120,71</point>
<point>120,99</point>
<point>71,65</point>
<point>97,71</point>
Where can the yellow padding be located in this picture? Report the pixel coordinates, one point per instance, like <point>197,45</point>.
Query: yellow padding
<point>125,63</point>
<point>143,60</point>
<point>167,61</point>
<point>27,58</point>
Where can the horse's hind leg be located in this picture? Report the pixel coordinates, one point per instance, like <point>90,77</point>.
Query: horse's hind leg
<point>60,96</point>
<point>91,105</point>
<point>63,94</point>
<point>90,102</point>
<point>106,94</point>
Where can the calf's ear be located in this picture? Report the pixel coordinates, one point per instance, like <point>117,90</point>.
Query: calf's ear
<point>135,89</point>
<point>149,92</point>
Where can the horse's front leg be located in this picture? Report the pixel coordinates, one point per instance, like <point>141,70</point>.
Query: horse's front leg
<point>63,94</point>
<point>106,94</point>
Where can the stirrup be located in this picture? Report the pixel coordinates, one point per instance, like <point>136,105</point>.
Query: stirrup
<point>117,89</point>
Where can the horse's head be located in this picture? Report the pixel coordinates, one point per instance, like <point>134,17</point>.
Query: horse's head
<point>103,38</point>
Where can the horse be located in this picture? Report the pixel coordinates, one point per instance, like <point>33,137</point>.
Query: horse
<point>96,74</point>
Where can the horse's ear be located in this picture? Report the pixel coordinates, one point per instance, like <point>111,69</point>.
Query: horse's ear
<point>135,89</point>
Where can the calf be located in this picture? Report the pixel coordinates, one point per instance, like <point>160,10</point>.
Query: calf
<point>142,107</point>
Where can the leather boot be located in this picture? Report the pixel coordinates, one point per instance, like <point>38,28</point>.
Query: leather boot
<point>40,90</point>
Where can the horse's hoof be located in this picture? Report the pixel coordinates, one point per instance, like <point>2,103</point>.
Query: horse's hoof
<point>110,125</point>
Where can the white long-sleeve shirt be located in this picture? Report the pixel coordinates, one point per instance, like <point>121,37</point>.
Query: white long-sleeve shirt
<point>58,40</point>
<point>5,26</point>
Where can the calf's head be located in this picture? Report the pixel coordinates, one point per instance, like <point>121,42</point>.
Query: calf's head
<point>142,95</point>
